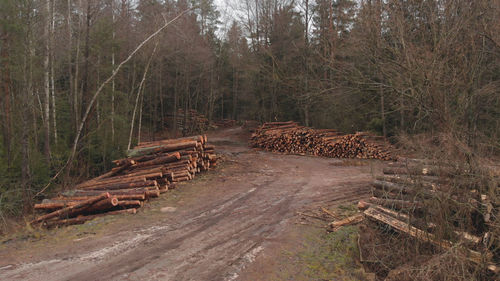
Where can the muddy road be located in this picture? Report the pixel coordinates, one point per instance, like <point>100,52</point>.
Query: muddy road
<point>212,228</point>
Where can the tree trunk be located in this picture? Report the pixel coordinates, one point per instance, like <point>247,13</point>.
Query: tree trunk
<point>52,61</point>
<point>113,81</point>
<point>25,105</point>
<point>46,79</point>
<point>86,57</point>
<point>5,81</point>
<point>70,63</point>
<point>141,85</point>
<point>235,92</point>
<point>77,73</point>
<point>140,117</point>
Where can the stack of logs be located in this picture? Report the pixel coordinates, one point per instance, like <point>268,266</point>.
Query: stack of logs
<point>191,123</point>
<point>225,123</point>
<point>152,168</point>
<point>409,198</point>
<point>289,137</point>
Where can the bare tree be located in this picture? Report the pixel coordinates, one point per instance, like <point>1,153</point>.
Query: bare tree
<point>46,69</point>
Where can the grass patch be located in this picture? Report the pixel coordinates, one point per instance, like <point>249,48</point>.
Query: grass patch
<point>325,256</point>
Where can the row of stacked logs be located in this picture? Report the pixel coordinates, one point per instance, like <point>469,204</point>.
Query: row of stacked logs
<point>191,122</point>
<point>289,137</point>
<point>224,123</point>
<point>151,169</point>
<point>409,198</point>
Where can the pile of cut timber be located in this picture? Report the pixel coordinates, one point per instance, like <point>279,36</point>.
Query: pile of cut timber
<point>225,123</point>
<point>151,169</point>
<point>289,137</point>
<point>408,198</point>
<point>191,123</point>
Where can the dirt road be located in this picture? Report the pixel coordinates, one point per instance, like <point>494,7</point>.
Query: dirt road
<point>213,228</point>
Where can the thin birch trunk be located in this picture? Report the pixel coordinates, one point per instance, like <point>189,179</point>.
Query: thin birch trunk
<point>140,117</point>
<point>98,92</point>
<point>46,79</point>
<point>113,81</point>
<point>141,85</point>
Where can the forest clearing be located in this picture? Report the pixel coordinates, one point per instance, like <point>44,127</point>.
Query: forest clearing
<point>211,228</point>
<point>250,140</point>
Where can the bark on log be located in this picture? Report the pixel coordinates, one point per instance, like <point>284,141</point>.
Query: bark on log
<point>102,205</point>
<point>347,221</point>
<point>398,204</point>
<point>403,227</point>
<point>424,171</point>
<point>125,185</point>
<point>416,233</point>
<point>162,160</point>
<point>71,209</point>
<point>130,204</point>
<point>83,219</point>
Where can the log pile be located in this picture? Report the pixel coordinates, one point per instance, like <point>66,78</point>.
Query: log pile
<point>289,137</point>
<point>191,123</point>
<point>407,198</point>
<point>225,123</point>
<point>151,169</point>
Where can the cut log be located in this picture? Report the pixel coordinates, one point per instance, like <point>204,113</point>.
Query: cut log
<point>102,205</point>
<point>334,226</point>
<point>398,204</point>
<point>161,160</point>
<point>71,209</point>
<point>111,173</point>
<point>416,233</point>
<point>425,171</point>
<point>130,204</point>
<point>125,185</point>
<point>83,219</point>
<point>391,187</point>
<point>403,227</point>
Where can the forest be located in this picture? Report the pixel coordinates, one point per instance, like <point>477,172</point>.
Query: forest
<point>80,80</point>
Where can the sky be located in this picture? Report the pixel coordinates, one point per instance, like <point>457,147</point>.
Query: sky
<point>227,15</point>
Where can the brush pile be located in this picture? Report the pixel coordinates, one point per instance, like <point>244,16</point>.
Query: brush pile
<point>436,205</point>
<point>289,137</point>
<point>152,168</point>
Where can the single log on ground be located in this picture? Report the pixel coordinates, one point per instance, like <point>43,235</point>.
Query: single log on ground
<point>425,171</point>
<point>391,187</point>
<point>397,204</point>
<point>347,221</point>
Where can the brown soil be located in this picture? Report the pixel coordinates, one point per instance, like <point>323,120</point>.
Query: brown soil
<point>227,224</point>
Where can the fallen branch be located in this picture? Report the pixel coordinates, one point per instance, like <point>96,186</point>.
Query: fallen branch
<point>334,226</point>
